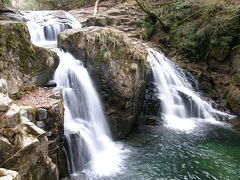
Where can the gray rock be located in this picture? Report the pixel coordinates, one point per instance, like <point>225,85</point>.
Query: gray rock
<point>51,83</point>
<point>40,124</point>
<point>34,130</point>
<point>28,112</point>
<point>42,114</point>
<point>12,117</point>
<point>37,64</point>
<point>3,87</point>
<point>5,102</point>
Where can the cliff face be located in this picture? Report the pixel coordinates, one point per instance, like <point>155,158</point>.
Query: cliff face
<point>31,128</point>
<point>23,145</point>
<point>119,66</point>
<point>20,61</point>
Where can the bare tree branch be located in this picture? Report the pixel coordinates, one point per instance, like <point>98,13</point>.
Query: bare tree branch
<point>96,7</point>
<point>154,17</point>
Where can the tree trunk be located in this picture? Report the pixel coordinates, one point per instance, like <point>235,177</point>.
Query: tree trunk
<point>96,7</point>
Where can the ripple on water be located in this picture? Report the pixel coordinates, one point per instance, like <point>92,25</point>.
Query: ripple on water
<point>210,152</point>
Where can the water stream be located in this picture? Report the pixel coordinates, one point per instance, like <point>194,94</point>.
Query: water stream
<point>191,144</point>
<point>182,107</point>
<point>91,150</point>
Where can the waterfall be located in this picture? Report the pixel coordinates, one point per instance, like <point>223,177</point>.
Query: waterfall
<point>91,150</point>
<point>181,107</point>
<point>44,26</point>
<point>85,124</point>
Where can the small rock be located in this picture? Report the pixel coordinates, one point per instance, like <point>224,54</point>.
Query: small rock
<point>12,117</point>
<point>3,87</point>
<point>9,175</point>
<point>40,124</point>
<point>28,141</point>
<point>28,112</point>
<point>34,130</point>
<point>42,114</point>
<point>5,102</point>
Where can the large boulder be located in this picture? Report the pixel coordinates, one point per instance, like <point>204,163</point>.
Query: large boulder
<point>20,61</point>
<point>118,65</point>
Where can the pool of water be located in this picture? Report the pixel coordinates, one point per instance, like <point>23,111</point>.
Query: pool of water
<point>208,152</point>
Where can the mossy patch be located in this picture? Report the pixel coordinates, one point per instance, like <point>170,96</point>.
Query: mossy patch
<point>21,60</point>
<point>200,30</point>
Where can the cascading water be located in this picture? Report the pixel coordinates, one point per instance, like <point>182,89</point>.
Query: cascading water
<point>209,152</point>
<point>44,26</point>
<point>91,149</point>
<point>181,107</point>
<point>90,146</point>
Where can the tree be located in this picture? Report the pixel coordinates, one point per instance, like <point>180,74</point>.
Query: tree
<point>96,7</point>
<point>154,17</point>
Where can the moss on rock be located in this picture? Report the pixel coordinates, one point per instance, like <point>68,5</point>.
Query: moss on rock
<point>21,62</point>
<point>119,66</point>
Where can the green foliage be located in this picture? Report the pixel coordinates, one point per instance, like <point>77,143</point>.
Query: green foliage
<point>3,3</point>
<point>200,29</point>
<point>63,4</point>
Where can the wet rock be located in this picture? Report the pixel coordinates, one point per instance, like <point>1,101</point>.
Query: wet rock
<point>51,83</point>
<point>151,104</point>
<point>153,120</point>
<point>119,67</point>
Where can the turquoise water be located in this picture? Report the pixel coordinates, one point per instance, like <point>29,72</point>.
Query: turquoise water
<point>208,152</point>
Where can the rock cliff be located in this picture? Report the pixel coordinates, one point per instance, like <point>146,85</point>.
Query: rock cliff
<point>119,66</point>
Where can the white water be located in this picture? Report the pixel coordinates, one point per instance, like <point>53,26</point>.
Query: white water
<point>91,149</point>
<point>182,108</point>
<point>44,26</point>
<point>85,124</point>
